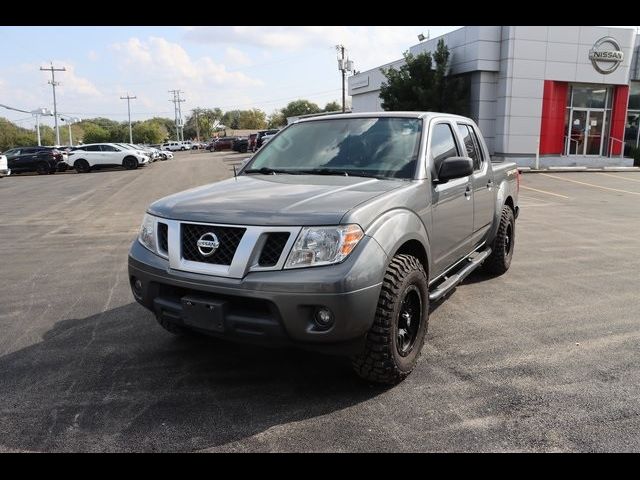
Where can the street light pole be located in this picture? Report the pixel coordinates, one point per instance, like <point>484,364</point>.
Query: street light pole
<point>37,113</point>
<point>38,129</point>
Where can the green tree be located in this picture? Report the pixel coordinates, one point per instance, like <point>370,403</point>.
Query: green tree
<point>12,135</point>
<point>299,107</point>
<point>419,85</point>
<point>332,107</point>
<point>169,124</point>
<point>48,136</point>
<point>231,119</point>
<point>147,132</point>
<point>208,120</point>
<point>276,119</point>
<point>253,119</point>
<point>94,133</point>
<point>119,132</point>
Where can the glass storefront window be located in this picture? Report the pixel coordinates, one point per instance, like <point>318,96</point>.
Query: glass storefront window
<point>631,128</point>
<point>587,120</point>
<point>634,96</point>
<point>589,97</point>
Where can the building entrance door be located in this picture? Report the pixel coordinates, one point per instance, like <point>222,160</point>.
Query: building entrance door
<point>586,131</point>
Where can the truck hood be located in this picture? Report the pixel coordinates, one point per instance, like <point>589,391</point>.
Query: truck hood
<point>273,199</point>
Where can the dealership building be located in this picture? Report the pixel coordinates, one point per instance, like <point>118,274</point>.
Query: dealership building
<point>555,96</point>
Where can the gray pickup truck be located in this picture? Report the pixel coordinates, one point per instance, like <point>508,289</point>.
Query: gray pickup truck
<point>336,236</point>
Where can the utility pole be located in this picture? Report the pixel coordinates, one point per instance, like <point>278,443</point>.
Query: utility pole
<point>53,83</point>
<point>196,111</point>
<point>128,99</point>
<point>177,112</point>
<point>180,122</point>
<point>344,65</point>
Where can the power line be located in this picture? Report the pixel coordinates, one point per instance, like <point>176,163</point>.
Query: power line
<point>53,84</point>
<point>12,108</point>
<point>128,98</point>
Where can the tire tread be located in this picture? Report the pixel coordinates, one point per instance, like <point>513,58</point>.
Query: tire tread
<point>377,363</point>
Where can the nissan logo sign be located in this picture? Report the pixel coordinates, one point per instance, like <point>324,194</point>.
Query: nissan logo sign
<point>207,244</point>
<point>605,55</point>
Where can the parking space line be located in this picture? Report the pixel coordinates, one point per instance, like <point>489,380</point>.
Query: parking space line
<point>590,184</point>
<point>543,191</point>
<point>620,178</point>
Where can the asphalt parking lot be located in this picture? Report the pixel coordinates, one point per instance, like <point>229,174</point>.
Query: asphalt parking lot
<point>544,358</point>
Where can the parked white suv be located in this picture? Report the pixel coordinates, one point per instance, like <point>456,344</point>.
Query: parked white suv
<point>4,169</point>
<point>173,146</point>
<point>85,157</point>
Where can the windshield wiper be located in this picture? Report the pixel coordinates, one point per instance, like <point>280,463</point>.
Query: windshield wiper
<point>337,171</point>
<point>324,171</point>
<point>266,171</point>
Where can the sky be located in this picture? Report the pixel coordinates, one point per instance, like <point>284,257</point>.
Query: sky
<point>230,67</point>
<point>227,67</point>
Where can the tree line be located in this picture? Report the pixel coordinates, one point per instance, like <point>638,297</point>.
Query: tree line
<point>203,121</point>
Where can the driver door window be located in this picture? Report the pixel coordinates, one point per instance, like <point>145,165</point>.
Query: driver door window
<point>443,145</point>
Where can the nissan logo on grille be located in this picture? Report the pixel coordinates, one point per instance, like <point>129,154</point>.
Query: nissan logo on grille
<point>207,244</point>
<point>605,55</point>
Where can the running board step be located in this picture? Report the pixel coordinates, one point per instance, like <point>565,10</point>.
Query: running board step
<point>451,282</point>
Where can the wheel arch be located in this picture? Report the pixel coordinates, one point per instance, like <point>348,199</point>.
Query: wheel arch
<point>402,231</point>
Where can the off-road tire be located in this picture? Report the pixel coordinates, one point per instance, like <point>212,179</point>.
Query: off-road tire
<point>81,166</point>
<point>381,361</point>
<point>503,244</point>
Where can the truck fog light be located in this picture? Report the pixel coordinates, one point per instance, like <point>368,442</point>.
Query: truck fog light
<point>137,287</point>
<point>323,318</point>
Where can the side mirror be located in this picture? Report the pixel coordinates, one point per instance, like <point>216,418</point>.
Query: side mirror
<point>455,167</point>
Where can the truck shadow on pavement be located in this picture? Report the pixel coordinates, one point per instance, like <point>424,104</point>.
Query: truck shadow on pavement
<point>117,382</point>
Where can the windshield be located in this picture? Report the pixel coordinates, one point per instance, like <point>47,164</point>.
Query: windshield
<point>379,147</point>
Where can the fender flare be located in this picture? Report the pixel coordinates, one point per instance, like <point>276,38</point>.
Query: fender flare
<point>395,227</point>
<point>501,199</point>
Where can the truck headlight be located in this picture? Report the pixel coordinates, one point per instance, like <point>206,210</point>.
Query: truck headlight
<point>317,246</point>
<point>147,235</point>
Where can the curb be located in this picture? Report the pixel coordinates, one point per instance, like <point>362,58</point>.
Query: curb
<point>578,169</point>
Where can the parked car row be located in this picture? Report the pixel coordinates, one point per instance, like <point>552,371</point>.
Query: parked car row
<point>44,160</point>
<point>222,143</point>
<point>4,167</point>
<point>250,143</point>
<point>175,146</point>
<point>82,158</point>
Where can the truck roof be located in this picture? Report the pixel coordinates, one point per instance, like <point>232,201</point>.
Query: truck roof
<point>424,115</point>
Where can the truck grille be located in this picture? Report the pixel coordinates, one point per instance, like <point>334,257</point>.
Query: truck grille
<point>229,238</point>
<point>163,237</point>
<point>273,249</point>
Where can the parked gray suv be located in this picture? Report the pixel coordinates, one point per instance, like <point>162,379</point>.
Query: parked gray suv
<point>335,236</point>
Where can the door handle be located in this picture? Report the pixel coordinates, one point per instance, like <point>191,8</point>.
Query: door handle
<point>467,192</point>
<point>490,184</point>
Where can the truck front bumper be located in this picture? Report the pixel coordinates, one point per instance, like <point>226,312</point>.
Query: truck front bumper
<point>269,307</point>
<point>5,172</point>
